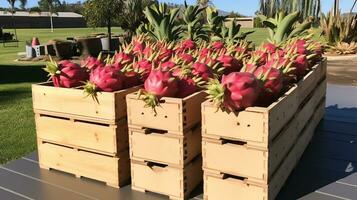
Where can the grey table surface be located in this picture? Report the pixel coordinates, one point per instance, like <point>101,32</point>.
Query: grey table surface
<point>327,170</point>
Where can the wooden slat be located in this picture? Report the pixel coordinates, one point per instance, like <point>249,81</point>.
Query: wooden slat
<point>111,106</point>
<point>173,114</point>
<point>101,138</point>
<point>165,148</point>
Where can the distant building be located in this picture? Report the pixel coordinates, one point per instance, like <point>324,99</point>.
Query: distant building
<point>41,20</point>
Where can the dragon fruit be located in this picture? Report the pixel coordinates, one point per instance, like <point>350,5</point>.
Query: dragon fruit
<point>230,64</point>
<point>301,65</point>
<point>270,47</point>
<point>201,70</point>
<point>186,87</point>
<point>272,84</point>
<point>218,45</point>
<point>186,58</point>
<point>168,65</point>
<point>91,62</point>
<point>161,84</point>
<point>106,78</point>
<point>123,58</point>
<point>237,91</point>
<point>66,73</point>
<point>187,45</point>
<point>131,79</point>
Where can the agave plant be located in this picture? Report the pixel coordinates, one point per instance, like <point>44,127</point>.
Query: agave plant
<point>192,26</point>
<point>163,22</point>
<point>343,48</point>
<point>337,28</point>
<point>230,33</point>
<point>214,21</point>
<point>284,27</point>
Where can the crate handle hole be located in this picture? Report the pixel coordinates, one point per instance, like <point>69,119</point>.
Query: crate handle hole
<point>165,116</point>
<point>142,113</point>
<point>248,125</point>
<point>238,123</point>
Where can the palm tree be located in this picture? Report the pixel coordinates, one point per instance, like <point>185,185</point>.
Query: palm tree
<point>12,10</point>
<point>50,10</point>
<point>23,4</point>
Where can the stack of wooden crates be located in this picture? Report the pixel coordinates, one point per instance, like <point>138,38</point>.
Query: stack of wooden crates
<point>165,146</point>
<point>250,154</point>
<point>83,136</point>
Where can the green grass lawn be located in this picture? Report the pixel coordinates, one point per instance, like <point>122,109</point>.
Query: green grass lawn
<point>8,55</point>
<point>17,128</point>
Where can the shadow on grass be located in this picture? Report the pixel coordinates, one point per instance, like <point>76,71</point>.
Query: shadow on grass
<point>15,93</point>
<point>19,74</point>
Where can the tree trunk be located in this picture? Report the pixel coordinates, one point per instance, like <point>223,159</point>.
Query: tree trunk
<point>109,33</point>
<point>50,9</point>
<point>13,22</point>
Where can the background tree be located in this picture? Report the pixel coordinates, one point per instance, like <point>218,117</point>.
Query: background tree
<point>50,6</point>
<point>204,3</point>
<point>23,4</point>
<point>307,8</point>
<point>132,15</point>
<point>12,10</point>
<point>102,12</point>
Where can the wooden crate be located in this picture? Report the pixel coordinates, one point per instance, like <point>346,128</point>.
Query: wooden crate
<point>175,115</point>
<point>259,164</point>
<point>114,171</point>
<point>165,147</point>
<point>311,80</point>
<point>110,108</point>
<point>174,182</point>
<point>228,187</point>
<point>109,139</point>
<point>265,123</point>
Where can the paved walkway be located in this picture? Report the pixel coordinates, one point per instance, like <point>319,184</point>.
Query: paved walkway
<point>327,170</point>
<point>342,72</point>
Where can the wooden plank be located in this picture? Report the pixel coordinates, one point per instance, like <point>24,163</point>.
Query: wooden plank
<point>174,182</point>
<point>111,106</point>
<point>111,170</point>
<point>101,138</point>
<point>173,114</point>
<point>165,148</point>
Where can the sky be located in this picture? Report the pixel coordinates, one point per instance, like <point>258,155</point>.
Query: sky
<point>245,7</point>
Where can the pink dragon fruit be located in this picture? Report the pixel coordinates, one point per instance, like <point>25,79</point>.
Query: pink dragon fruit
<point>143,66</point>
<point>161,84</point>
<point>91,62</point>
<point>167,66</point>
<point>186,87</point>
<point>270,48</point>
<point>237,91</point>
<point>230,64</point>
<point>186,58</point>
<point>218,45</point>
<point>301,65</point>
<point>66,73</point>
<point>188,45</point>
<point>123,58</point>
<point>272,84</point>
<point>242,90</point>
<point>107,79</point>
<point>201,70</point>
